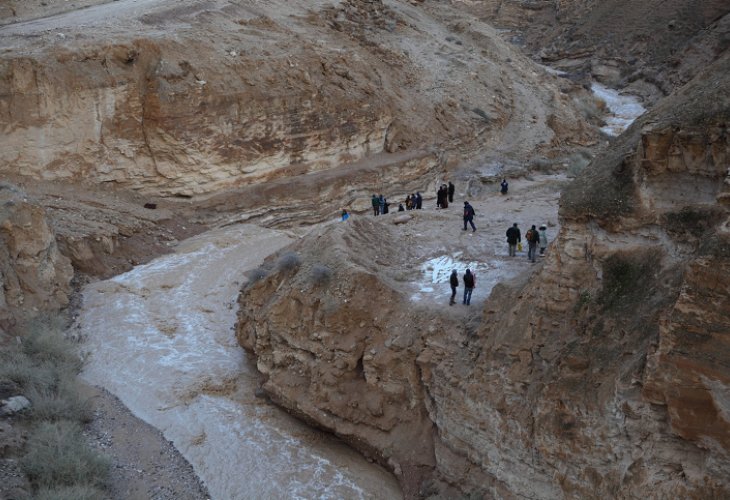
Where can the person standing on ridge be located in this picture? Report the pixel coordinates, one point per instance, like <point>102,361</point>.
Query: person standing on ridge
<point>469,216</point>
<point>381,203</point>
<point>376,205</point>
<point>503,186</point>
<point>532,238</point>
<point>454,282</point>
<point>419,201</point>
<point>469,282</point>
<point>513,237</point>
<point>452,189</point>
<point>543,239</point>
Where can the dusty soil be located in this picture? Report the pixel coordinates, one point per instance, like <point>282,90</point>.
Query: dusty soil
<point>145,465</point>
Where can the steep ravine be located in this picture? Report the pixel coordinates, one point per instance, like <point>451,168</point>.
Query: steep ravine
<point>604,374</point>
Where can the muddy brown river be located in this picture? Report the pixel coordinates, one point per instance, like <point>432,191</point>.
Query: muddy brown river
<point>161,338</point>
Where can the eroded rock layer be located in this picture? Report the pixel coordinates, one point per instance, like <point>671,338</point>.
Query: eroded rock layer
<point>34,276</point>
<point>188,99</point>
<point>605,374</point>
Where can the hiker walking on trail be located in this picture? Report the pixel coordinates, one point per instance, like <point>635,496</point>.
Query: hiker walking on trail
<point>469,216</point>
<point>533,238</point>
<point>513,237</point>
<point>454,282</point>
<point>451,191</point>
<point>419,201</point>
<point>469,282</point>
<point>543,239</point>
<point>381,204</point>
<point>409,202</point>
<point>503,186</point>
<point>376,205</point>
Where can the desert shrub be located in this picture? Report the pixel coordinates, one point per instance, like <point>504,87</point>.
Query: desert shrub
<point>576,163</point>
<point>29,375</point>
<point>541,164</point>
<point>584,298</point>
<point>320,274</point>
<point>63,403</point>
<point>626,278</point>
<point>288,261</point>
<point>256,275</point>
<point>77,492</point>
<point>44,367</point>
<point>57,455</point>
<point>49,345</point>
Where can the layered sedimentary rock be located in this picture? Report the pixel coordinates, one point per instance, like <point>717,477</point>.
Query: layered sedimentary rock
<point>34,276</point>
<point>190,99</point>
<point>605,374</point>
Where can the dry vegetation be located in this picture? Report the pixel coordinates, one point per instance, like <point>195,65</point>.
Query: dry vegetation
<point>42,365</point>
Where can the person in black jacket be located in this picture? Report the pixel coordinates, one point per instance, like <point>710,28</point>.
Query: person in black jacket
<point>469,283</point>
<point>419,201</point>
<point>454,282</point>
<point>513,237</point>
<point>451,192</point>
<point>469,216</point>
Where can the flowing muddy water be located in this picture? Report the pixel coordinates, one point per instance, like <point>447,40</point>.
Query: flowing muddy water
<point>161,338</point>
<point>624,109</point>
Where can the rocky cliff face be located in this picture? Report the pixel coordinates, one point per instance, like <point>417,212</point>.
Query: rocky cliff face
<point>189,100</point>
<point>604,374</point>
<point>35,277</point>
<point>650,48</point>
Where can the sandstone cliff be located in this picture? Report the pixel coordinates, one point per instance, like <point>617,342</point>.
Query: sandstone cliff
<point>605,374</point>
<point>190,99</point>
<point>34,276</point>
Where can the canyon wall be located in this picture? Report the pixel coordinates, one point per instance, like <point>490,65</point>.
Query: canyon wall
<point>189,100</point>
<point>603,374</point>
<point>34,276</point>
<point>650,48</point>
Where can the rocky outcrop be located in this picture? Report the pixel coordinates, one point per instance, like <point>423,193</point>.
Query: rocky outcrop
<point>662,44</point>
<point>603,375</point>
<point>35,277</point>
<point>187,101</point>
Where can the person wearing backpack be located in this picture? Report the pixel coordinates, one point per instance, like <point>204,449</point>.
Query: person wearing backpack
<point>469,216</point>
<point>533,238</point>
<point>454,282</point>
<point>470,282</point>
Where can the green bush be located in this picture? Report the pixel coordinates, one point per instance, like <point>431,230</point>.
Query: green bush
<point>57,455</point>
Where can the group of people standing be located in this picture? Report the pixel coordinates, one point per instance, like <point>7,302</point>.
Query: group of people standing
<point>445,195</point>
<point>470,282</point>
<point>534,238</point>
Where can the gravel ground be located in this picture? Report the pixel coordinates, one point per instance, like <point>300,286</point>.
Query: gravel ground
<point>145,465</point>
